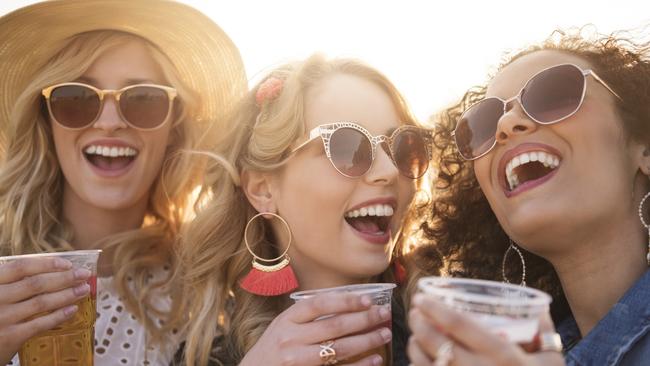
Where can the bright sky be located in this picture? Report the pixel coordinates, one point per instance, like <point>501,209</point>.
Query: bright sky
<point>432,50</point>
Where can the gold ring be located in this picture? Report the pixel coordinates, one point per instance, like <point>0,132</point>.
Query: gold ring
<point>550,341</point>
<point>327,353</point>
<point>444,354</point>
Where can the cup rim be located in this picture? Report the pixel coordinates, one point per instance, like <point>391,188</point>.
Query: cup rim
<point>53,254</point>
<point>372,288</point>
<point>537,299</point>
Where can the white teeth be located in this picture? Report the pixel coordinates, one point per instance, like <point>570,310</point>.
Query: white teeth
<point>373,210</point>
<point>547,159</point>
<point>112,151</point>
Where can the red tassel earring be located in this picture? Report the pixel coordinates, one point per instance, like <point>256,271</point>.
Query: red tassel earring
<point>269,279</point>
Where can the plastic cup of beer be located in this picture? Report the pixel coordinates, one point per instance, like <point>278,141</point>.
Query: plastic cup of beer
<point>70,343</point>
<point>511,311</point>
<point>380,294</point>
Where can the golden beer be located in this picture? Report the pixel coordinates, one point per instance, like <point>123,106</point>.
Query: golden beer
<point>69,344</point>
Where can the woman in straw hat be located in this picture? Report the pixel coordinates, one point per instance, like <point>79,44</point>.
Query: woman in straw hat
<point>96,100</point>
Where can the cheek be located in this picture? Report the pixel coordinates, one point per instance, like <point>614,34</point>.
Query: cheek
<point>482,172</point>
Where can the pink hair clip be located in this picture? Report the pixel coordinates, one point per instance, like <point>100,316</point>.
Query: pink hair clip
<point>268,90</point>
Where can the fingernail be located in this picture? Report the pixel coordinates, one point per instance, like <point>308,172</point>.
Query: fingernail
<point>81,274</point>
<point>384,313</point>
<point>81,289</point>
<point>366,301</point>
<point>386,335</point>
<point>377,360</point>
<point>62,263</point>
<point>70,310</point>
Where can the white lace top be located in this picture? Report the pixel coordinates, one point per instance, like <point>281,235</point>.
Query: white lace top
<point>119,337</point>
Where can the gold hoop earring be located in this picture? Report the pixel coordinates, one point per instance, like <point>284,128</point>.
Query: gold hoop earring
<point>514,247</point>
<point>645,224</point>
<point>267,279</point>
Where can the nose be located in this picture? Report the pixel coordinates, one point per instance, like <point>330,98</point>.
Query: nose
<point>382,171</point>
<point>514,121</point>
<point>109,117</point>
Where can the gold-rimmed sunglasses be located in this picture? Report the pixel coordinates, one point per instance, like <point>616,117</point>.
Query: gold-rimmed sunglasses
<point>76,105</point>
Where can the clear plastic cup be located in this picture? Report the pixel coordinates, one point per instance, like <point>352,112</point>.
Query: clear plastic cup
<point>512,311</point>
<point>380,294</point>
<point>72,342</point>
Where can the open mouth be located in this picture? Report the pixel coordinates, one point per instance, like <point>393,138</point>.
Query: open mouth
<point>530,167</point>
<point>371,220</point>
<point>110,157</point>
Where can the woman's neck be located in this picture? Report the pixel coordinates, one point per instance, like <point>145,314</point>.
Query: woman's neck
<point>90,224</point>
<point>600,269</point>
<point>312,275</point>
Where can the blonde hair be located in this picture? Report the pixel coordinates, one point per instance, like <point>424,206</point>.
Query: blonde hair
<point>213,253</point>
<point>31,181</point>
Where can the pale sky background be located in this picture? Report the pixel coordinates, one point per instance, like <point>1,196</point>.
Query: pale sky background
<point>432,50</point>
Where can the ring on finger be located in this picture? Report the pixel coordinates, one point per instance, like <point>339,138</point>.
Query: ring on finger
<point>327,353</point>
<point>444,354</point>
<point>550,341</point>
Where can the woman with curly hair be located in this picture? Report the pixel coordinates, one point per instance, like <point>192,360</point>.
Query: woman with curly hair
<point>543,180</point>
<point>318,170</point>
<point>97,102</point>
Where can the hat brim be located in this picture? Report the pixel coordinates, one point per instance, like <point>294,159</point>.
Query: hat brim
<point>206,59</point>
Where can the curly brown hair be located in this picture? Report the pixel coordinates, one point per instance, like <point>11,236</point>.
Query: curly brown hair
<point>462,236</point>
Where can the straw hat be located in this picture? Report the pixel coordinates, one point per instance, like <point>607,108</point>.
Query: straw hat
<point>207,60</point>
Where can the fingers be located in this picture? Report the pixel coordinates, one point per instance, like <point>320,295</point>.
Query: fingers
<point>462,329</point>
<point>344,324</point>
<point>417,355</point>
<point>424,334</point>
<point>327,304</point>
<point>20,268</point>
<point>42,283</point>
<point>14,336</point>
<point>43,303</point>
<point>349,348</point>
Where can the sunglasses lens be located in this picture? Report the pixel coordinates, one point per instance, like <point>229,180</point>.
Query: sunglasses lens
<point>477,127</point>
<point>351,152</point>
<point>410,154</point>
<point>145,106</point>
<point>553,94</point>
<point>74,106</point>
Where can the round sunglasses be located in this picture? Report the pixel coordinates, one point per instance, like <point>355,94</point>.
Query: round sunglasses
<point>550,96</point>
<point>76,105</point>
<point>352,149</point>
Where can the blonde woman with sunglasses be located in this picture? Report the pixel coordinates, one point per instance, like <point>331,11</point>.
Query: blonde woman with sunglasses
<point>318,171</point>
<point>98,99</point>
<point>544,181</point>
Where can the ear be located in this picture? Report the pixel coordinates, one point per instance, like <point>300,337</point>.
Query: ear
<point>257,188</point>
<point>642,152</point>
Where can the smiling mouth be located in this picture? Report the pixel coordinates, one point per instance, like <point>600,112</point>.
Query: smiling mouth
<point>371,220</point>
<point>529,167</point>
<point>110,157</point>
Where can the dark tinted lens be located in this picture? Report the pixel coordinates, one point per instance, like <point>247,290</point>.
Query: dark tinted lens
<point>74,106</point>
<point>144,106</point>
<point>553,94</point>
<point>410,154</point>
<point>478,125</point>
<point>351,152</point>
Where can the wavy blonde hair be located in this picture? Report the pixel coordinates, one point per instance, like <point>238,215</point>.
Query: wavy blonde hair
<point>214,255</point>
<point>31,181</point>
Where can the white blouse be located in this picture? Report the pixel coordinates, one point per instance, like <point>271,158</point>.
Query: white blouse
<point>120,338</point>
